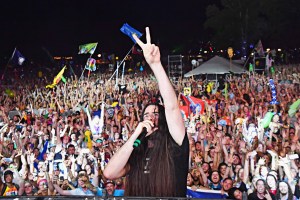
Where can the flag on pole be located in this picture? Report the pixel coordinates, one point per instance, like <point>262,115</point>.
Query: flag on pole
<point>259,48</point>
<point>129,31</point>
<point>192,104</point>
<point>87,48</point>
<point>17,58</point>
<point>57,78</point>
<point>196,104</point>
<point>91,64</point>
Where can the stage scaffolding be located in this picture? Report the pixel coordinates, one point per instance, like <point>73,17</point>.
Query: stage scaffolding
<point>175,67</point>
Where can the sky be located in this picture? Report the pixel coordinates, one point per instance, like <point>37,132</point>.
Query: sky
<point>60,26</point>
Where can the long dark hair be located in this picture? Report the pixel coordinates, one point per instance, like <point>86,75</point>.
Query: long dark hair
<point>290,192</point>
<point>160,181</point>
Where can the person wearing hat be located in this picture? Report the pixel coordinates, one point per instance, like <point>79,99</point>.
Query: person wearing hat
<point>8,188</point>
<point>110,189</point>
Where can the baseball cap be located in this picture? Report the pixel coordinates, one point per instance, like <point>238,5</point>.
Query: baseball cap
<point>109,181</point>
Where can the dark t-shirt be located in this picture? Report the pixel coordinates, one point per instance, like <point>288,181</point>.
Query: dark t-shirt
<point>243,187</point>
<point>181,161</point>
<point>143,158</point>
<point>253,196</point>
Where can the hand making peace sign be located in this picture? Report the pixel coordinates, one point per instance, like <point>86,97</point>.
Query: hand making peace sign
<point>151,51</point>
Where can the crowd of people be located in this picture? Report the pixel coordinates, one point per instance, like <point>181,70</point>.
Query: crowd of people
<point>60,141</point>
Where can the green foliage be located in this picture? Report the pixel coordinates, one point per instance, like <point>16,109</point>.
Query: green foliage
<point>237,20</point>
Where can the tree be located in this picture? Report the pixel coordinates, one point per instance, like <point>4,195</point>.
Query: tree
<point>238,23</point>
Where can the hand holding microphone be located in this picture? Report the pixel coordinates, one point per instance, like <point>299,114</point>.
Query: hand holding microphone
<point>148,126</point>
<point>141,138</point>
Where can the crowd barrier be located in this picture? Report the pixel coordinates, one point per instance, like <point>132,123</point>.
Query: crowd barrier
<point>94,198</point>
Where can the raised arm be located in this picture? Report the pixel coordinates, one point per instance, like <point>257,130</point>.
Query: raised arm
<point>117,166</point>
<point>173,115</point>
<point>89,119</point>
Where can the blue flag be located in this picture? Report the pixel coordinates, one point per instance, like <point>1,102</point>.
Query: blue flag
<point>205,194</point>
<point>17,58</point>
<point>128,30</point>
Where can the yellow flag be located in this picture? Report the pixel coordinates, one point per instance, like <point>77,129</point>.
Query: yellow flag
<point>57,78</point>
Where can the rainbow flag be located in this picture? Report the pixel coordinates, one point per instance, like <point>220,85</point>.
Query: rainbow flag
<point>91,64</point>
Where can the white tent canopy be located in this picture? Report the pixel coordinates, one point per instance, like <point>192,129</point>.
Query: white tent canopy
<point>216,65</point>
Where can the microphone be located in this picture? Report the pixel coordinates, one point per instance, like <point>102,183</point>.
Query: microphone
<point>140,139</point>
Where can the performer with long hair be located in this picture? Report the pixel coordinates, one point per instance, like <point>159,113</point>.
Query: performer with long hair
<point>155,157</point>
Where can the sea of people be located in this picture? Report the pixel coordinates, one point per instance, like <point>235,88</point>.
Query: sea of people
<point>58,141</point>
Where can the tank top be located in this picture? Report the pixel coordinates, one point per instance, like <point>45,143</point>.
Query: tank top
<point>13,191</point>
